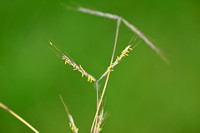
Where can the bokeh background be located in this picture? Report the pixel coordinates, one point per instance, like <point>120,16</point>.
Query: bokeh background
<point>144,94</point>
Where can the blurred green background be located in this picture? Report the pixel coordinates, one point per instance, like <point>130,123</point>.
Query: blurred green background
<point>144,95</point>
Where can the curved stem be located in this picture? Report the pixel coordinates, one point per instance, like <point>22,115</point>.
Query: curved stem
<point>18,117</point>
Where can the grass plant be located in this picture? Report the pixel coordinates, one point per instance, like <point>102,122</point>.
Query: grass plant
<point>96,126</point>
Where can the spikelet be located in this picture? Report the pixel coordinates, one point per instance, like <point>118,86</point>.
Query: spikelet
<point>78,67</point>
<point>71,120</point>
<point>75,66</point>
<point>72,124</point>
<point>100,121</point>
<point>119,58</point>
